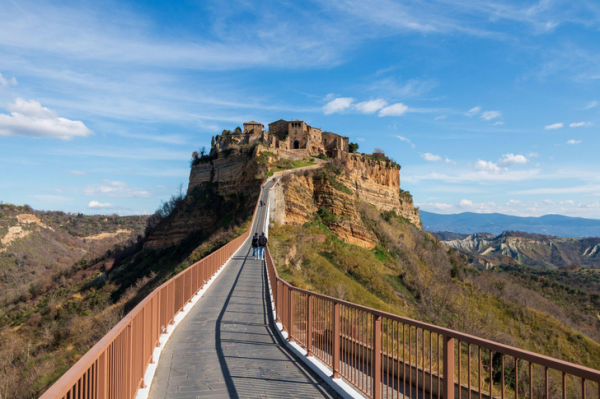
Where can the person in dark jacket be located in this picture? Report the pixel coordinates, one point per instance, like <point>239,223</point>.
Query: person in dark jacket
<point>255,241</point>
<point>262,243</point>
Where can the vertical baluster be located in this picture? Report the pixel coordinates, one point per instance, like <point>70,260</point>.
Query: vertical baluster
<point>564,385</point>
<point>459,369</point>
<point>423,360</point>
<point>530,380</point>
<point>403,359</point>
<point>376,327</point>
<point>430,363</point>
<point>516,378</point>
<point>309,326</point>
<point>479,370</point>
<point>469,368</point>
<point>439,367</point>
<point>417,362</point>
<point>409,361</point>
<point>491,374</point>
<point>583,390</point>
<point>336,340</point>
<point>448,367</point>
<point>503,385</point>
<point>546,390</point>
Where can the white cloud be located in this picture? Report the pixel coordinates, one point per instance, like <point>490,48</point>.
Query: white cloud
<point>7,82</point>
<point>591,104</point>
<point>372,106</point>
<point>554,126</point>
<point>393,110</point>
<point>448,160</point>
<point>489,115</point>
<point>77,172</point>
<point>485,166</point>
<point>430,157</point>
<point>533,155</point>
<point>115,189</point>
<point>466,203</point>
<point>440,118</point>
<point>360,139</point>
<point>498,123</point>
<point>573,142</point>
<point>512,159</point>
<point>30,119</point>
<point>99,205</point>
<point>473,111</point>
<point>338,105</point>
<point>402,138</point>
<point>580,124</point>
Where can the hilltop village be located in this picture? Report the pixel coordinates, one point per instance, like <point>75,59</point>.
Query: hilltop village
<point>286,135</point>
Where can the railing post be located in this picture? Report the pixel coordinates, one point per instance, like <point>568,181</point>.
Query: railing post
<point>278,309</point>
<point>376,357</point>
<point>336,340</point>
<point>291,315</point>
<point>448,367</point>
<point>102,377</point>
<point>309,327</point>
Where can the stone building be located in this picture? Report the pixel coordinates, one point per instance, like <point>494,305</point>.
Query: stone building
<point>289,135</point>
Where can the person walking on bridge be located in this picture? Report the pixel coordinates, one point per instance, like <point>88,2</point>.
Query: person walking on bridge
<point>262,243</point>
<point>255,249</point>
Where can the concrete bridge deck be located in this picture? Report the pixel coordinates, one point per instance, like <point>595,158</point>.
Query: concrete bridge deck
<point>226,346</point>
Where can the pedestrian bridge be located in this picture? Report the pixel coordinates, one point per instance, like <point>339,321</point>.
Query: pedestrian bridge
<point>228,326</point>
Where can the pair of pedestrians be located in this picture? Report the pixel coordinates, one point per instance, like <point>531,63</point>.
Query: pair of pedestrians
<point>258,245</point>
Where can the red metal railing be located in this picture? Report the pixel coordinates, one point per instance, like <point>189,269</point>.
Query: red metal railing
<point>388,356</point>
<point>114,368</point>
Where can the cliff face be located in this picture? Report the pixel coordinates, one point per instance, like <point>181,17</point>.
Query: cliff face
<point>222,189</point>
<point>306,195</point>
<point>333,192</point>
<point>378,182</point>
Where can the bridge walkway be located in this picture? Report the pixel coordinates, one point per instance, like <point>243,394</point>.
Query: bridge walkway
<point>226,346</point>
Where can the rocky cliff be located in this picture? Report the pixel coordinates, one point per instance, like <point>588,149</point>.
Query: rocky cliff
<point>223,188</point>
<point>333,191</point>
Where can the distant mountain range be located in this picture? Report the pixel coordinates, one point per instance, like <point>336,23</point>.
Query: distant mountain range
<point>496,223</point>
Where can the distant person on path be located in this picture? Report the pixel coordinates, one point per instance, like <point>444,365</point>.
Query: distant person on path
<point>255,241</point>
<point>262,243</point>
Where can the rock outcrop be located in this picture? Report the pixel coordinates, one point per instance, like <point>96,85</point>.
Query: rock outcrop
<point>306,195</point>
<point>377,181</point>
<point>220,187</point>
<point>333,194</point>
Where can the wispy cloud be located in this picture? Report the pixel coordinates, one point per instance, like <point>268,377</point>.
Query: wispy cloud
<point>338,105</point>
<point>430,157</point>
<point>114,189</point>
<point>402,138</point>
<point>573,142</point>
<point>370,107</point>
<point>512,159</point>
<point>394,110</point>
<point>489,115</point>
<point>580,124</point>
<point>4,82</point>
<point>554,126</point>
<point>99,205</point>
<point>392,87</point>
<point>473,111</point>
<point>591,104</point>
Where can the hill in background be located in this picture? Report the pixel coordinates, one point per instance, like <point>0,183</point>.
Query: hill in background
<point>496,223</point>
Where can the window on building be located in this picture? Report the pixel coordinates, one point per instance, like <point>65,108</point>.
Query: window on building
<point>296,131</point>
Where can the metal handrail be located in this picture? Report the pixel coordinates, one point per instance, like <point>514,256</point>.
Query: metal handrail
<point>372,350</point>
<point>115,366</point>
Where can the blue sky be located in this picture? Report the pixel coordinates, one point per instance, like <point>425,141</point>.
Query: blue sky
<point>489,106</point>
